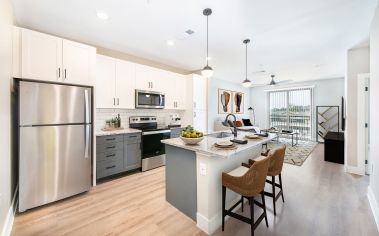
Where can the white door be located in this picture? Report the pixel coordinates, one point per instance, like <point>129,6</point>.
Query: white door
<point>125,84</point>
<point>364,164</point>
<point>142,77</point>
<point>199,92</point>
<point>78,63</point>
<point>41,56</point>
<point>200,120</point>
<point>105,82</point>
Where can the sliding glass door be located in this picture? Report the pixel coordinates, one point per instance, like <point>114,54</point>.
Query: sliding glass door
<point>291,110</point>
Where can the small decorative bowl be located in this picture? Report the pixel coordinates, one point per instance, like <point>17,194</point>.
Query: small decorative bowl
<point>192,141</point>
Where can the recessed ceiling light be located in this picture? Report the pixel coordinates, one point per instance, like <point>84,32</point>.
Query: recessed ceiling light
<point>170,42</point>
<point>102,15</point>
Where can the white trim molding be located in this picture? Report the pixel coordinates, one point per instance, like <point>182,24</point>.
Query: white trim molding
<point>354,170</point>
<point>8,224</point>
<point>374,205</point>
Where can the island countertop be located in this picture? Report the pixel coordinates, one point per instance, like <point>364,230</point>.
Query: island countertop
<point>207,145</point>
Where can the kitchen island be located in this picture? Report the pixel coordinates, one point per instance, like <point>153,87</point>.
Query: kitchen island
<point>193,175</point>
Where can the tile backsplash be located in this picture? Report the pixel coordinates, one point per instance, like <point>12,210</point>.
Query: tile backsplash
<point>105,114</point>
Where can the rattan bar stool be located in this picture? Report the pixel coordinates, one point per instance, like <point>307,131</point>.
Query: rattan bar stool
<point>275,169</point>
<point>248,182</point>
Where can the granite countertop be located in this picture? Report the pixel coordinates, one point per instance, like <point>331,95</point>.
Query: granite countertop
<point>121,131</point>
<point>207,145</point>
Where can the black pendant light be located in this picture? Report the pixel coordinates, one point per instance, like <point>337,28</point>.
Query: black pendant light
<point>246,83</point>
<point>207,70</point>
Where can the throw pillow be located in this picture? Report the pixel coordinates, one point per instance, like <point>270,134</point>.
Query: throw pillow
<point>238,123</point>
<point>247,122</point>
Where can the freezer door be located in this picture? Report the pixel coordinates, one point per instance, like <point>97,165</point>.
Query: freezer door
<point>55,163</point>
<point>44,103</point>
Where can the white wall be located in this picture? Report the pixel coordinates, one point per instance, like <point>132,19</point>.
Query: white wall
<point>358,62</point>
<point>213,86</point>
<point>374,112</point>
<point>326,92</point>
<point>6,188</point>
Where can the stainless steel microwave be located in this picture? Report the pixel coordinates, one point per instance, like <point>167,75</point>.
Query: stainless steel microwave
<point>149,99</point>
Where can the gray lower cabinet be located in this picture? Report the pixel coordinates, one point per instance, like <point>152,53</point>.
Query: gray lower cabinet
<point>175,132</point>
<point>117,153</point>
<point>132,151</point>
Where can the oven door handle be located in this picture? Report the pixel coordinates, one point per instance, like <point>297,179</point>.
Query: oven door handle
<point>156,132</point>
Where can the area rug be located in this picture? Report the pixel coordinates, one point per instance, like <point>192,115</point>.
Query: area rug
<point>294,155</point>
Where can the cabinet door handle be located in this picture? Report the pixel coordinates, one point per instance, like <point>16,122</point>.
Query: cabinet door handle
<point>194,114</point>
<point>59,72</point>
<point>110,167</point>
<point>111,147</point>
<point>65,73</point>
<point>114,101</point>
<point>118,101</point>
<point>152,85</point>
<point>110,139</point>
<point>112,155</point>
<point>135,136</point>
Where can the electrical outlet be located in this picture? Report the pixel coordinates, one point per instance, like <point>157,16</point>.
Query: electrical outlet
<point>203,169</point>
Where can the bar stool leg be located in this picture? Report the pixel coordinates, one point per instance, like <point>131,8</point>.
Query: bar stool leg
<point>281,186</point>
<point>242,203</point>
<point>223,206</point>
<point>264,207</point>
<point>252,215</point>
<point>273,193</point>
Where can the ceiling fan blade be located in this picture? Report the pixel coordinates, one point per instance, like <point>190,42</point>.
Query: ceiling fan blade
<point>284,81</point>
<point>257,85</point>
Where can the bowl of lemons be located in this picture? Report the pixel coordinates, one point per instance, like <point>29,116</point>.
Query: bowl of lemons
<point>190,136</point>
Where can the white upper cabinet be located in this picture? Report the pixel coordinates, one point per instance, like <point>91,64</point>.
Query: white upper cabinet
<point>199,92</point>
<point>125,84</point>
<point>49,58</point>
<point>79,61</point>
<point>41,56</point>
<point>175,90</point>
<point>105,82</point>
<point>143,76</point>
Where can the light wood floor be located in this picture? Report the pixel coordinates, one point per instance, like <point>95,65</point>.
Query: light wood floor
<point>320,200</point>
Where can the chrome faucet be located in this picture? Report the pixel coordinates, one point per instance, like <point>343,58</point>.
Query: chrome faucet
<point>228,123</point>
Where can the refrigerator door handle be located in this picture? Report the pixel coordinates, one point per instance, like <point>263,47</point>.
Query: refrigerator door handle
<point>86,109</point>
<point>86,149</point>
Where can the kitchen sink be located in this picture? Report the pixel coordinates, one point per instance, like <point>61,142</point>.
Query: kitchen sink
<point>220,135</point>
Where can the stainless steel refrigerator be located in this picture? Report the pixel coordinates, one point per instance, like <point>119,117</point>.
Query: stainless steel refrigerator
<point>55,130</point>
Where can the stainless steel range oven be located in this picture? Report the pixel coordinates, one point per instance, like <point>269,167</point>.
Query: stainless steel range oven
<point>153,151</point>
<point>150,99</point>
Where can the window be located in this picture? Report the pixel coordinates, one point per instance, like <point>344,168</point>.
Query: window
<point>292,110</point>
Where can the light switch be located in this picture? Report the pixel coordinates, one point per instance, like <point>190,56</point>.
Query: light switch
<point>203,169</point>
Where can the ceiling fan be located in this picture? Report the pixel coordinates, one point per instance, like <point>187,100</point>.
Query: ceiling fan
<point>272,82</point>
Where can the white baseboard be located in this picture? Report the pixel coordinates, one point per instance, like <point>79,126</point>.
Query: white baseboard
<point>355,170</point>
<point>7,228</point>
<point>374,205</point>
<point>209,226</point>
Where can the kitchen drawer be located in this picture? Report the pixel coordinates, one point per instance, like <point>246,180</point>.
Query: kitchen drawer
<point>109,139</point>
<point>110,156</point>
<point>107,147</point>
<point>107,168</point>
<point>132,138</point>
<point>175,132</point>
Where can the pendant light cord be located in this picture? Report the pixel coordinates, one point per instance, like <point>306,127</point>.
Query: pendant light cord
<point>246,63</point>
<point>207,42</point>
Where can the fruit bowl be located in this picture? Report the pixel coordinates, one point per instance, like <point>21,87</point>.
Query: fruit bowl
<point>191,141</point>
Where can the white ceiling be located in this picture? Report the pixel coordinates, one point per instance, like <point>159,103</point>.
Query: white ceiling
<point>294,39</point>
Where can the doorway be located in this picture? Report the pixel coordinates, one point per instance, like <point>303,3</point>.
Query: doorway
<point>363,142</point>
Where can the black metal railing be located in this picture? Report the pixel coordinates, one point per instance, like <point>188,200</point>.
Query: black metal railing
<point>298,123</point>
